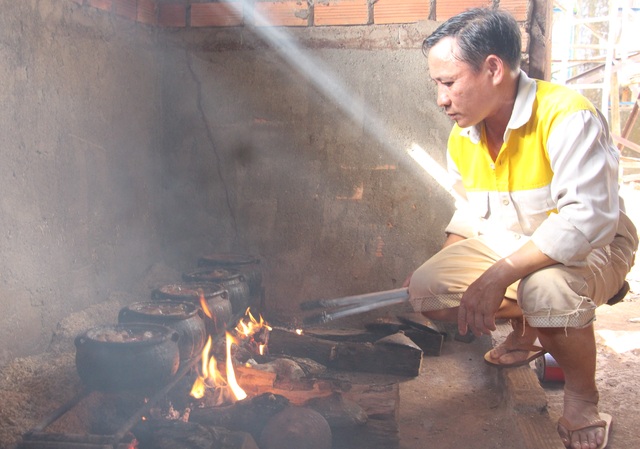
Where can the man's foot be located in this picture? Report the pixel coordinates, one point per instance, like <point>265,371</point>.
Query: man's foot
<point>517,349</point>
<point>581,426</point>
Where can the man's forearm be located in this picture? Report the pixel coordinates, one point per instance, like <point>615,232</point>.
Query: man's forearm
<point>521,263</point>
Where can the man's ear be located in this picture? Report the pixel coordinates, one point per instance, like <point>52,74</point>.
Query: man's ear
<point>495,68</point>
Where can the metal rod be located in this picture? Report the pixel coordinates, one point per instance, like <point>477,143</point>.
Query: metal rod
<point>355,299</point>
<point>325,317</point>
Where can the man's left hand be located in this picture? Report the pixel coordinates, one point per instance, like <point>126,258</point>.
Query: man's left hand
<point>479,305</point>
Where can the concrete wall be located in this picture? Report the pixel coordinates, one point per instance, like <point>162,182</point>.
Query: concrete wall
<point>261,159</point>
<point>80,130</point>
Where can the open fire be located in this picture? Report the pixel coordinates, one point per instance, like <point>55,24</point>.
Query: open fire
<point>248,383</point>
<point>250,333</point>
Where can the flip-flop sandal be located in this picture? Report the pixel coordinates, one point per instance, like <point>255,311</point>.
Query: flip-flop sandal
<point>533,352</point>
<point>604,421</point>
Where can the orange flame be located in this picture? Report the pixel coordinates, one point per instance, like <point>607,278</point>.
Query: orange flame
<point>238,392</point>
<point>207,311</point>
<point>250,327</point>
<point>211,377</point>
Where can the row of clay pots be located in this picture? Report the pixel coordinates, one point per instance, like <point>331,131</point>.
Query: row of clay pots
<point>145,349</point>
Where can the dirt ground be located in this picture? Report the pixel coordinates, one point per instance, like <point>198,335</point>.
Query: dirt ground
<point>456,402</point>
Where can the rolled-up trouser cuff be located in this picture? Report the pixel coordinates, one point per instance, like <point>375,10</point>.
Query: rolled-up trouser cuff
<point>577,319</point>
<point>436,302</point>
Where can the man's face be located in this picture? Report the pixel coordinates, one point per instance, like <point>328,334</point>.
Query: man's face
<point>464,94</point>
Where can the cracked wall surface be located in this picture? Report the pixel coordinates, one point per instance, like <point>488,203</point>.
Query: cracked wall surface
<point>80,130</point>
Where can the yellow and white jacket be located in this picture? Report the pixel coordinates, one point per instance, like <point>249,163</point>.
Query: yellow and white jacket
<point>555,180</point>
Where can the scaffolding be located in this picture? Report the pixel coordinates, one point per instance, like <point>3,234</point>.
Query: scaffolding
<point>596,50</point>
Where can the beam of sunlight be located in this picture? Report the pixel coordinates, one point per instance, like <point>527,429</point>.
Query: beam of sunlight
<point>317,73</point>
<point>620,341</point>
<point>436,171</point>
<point>332,87</point>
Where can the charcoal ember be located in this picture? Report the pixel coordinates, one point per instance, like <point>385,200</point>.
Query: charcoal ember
<point>296,427</point>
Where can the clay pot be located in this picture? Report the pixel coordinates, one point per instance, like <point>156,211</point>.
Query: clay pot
<point>216,297</point>
<point>134,356</point>
<point>233,281</point>
<point>248,265</point>
<point>184,317</point>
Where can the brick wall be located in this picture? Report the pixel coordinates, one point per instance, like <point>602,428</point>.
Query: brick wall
<point>292,13</point>
<point>183,14</point>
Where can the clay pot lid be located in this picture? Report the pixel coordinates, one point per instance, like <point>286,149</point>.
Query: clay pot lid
<point>167,308</point>
<point>190,290</point>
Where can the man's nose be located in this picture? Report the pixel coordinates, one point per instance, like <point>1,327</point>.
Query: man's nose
<point>443,99</point>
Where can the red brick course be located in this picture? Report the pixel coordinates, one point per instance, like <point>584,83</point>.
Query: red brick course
<point>295,13</point>
<point>393,11</point>
<point>172,15</point>
<point>147,12</point>
<point>345,12</point>
<point>446,9</point>
<point>126,8</point>
<point>227,14</point>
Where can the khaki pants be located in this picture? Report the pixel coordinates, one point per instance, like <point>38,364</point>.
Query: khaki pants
<point>556,296</point>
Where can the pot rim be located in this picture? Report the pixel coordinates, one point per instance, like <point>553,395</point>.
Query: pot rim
<point>190,308</point>
<point>162,334</point>
<point>190,289</point>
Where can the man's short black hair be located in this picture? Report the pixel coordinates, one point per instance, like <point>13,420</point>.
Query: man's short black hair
<point>480,32</point>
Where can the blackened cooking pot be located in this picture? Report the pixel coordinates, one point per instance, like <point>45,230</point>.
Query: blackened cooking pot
<point>132,356</point>
<point>247,264</point>
<point>184,317</point>
<point>232,280</point>
<point>216,298</point>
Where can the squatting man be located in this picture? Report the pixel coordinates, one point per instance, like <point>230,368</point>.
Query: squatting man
<point>543,239</point>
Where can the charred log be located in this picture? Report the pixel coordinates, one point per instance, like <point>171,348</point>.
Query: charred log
<point>402,357</point>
